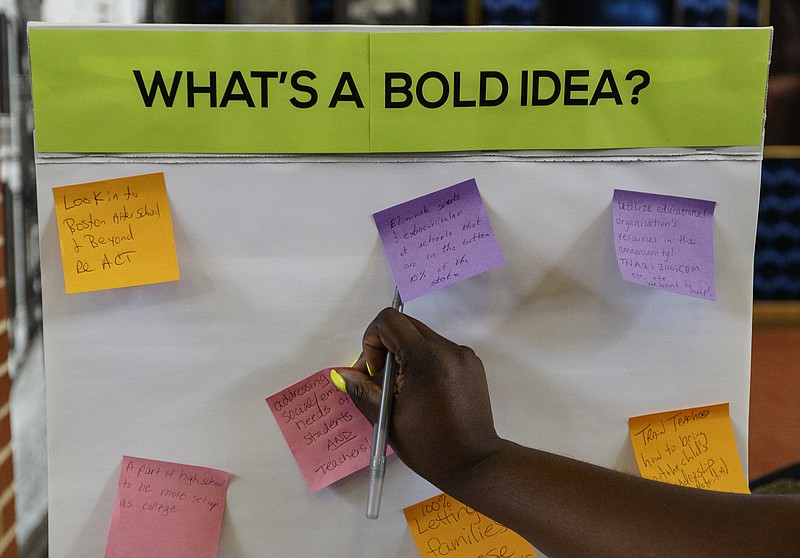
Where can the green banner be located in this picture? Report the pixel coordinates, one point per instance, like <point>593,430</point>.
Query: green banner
<point>303,91</point>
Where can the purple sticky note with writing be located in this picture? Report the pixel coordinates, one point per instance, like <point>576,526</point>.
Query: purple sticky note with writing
<point>665,242</point>
<point>438,239</point>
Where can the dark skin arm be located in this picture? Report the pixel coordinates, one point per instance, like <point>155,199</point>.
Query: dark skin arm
<point>442,428</point>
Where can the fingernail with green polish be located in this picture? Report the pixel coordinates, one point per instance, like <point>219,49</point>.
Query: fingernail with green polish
<point>338,381</point>
<point>371,373</point>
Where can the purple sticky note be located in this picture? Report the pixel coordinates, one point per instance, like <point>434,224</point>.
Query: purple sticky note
<point>438,239</point>
<point>665,242</point>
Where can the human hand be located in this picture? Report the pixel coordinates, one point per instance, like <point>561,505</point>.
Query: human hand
<point>441,422</point>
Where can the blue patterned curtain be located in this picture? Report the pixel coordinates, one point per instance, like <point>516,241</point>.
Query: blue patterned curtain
<point>777,262</point>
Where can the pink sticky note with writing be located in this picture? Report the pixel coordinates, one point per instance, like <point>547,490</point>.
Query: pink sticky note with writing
<point>327,434</point>
<point>166,509</point>
<point>438,239</point>
<point>665,242</point>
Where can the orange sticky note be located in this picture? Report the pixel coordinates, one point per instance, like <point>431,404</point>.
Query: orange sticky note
<point>115,233</point>
<point>443,526</point>
<point>689,447</point>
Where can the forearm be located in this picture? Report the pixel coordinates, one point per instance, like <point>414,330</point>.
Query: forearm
<point>568,508</point>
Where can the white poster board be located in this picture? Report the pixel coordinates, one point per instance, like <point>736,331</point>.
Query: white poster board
<point>282,269</point>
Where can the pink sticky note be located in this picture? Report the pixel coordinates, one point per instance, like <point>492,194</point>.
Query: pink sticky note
<point>665,242</point>
<point>327,435</point>
<point>166,509</point>
<point>438,239</point>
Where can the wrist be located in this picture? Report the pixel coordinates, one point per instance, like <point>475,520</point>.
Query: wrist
<point>462,482</point>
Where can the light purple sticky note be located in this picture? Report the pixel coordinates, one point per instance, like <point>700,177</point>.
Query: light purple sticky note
<point>438,239</point>
<point>665,242</point>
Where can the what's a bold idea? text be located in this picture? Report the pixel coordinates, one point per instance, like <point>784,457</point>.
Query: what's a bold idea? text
<point>431,89</point>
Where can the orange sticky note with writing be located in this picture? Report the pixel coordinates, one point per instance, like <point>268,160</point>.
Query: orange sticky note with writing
<point>115,233</point>
<point>443,526</point>
<point>689,447</point>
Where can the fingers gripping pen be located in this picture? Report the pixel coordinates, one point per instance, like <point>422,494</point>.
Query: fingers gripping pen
<point>377,461</point>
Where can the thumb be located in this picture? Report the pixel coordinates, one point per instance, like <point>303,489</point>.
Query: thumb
<point>361,388</point>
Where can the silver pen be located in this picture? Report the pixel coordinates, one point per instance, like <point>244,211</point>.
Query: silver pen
<point>377,460</point>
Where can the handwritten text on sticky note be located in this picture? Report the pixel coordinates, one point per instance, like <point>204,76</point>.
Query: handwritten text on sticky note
<point>166,509</point>
<point>115,233</point>
<point>438,239</point>
<point>327,435</point>
<point>443,526</point>
<point>665,242</point>
<point>691,447</point>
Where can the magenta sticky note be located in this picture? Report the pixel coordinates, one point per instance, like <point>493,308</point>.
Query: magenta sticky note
<point>327,435</point>
<point>166,509</point>
<point>665,242</point>
<point>438,239</point>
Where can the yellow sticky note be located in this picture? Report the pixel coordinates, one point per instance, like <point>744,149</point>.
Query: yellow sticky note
<point>689,447</point>
<point>443,526</point>
<point>115,233</point>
